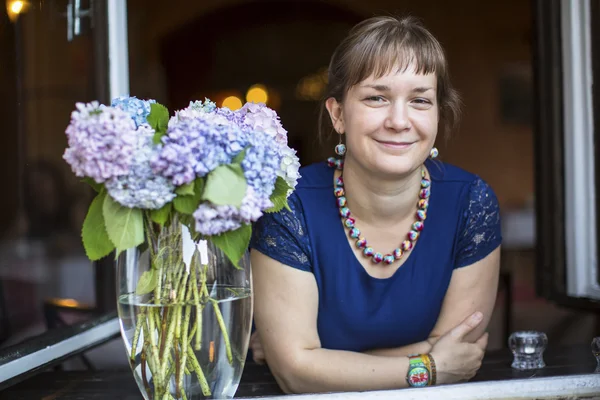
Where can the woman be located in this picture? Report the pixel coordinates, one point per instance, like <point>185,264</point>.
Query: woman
<point>336,309</point>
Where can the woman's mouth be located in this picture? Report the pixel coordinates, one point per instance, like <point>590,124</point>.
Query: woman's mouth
<point>395,145</point>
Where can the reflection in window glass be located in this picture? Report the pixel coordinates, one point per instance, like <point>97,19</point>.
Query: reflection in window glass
<point>595,35</point>
<point>45,279</point>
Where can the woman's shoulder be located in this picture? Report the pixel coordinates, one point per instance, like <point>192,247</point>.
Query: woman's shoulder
<point>445,172</point>
<point>317,175</point>
<point>469,188</point>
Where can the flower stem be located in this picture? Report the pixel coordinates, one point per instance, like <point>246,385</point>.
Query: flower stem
<point>198,342</point>
<point>144,378</point>
<point>136,335</point>
<point>223,330</point>
<point>177,371</point>
<point>169,340</point>
<point>199,373</point>
<point>184,339</point>
<point>153,361</point>
<point>163,329</point>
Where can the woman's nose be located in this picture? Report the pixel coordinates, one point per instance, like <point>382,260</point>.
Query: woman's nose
<point>397,118</point>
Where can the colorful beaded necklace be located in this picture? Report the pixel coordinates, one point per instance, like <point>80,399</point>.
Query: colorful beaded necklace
<point>361,242</point>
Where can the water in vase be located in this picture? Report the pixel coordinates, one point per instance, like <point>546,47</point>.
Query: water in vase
<point>186,351</point>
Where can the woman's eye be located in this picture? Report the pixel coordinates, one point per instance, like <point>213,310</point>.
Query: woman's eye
<point>375,98</point>
<point>422,101</point>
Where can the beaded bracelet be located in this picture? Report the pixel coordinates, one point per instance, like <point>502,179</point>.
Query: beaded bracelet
<point>432,369</point>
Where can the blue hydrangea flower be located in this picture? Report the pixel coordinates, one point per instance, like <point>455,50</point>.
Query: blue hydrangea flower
<point>259,117</point>
<point>141,188</point>
<point>261,163</point>
<point>138,109</point>
<point>101,141</point>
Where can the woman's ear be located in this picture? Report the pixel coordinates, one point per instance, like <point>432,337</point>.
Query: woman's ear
<point>335,113</point>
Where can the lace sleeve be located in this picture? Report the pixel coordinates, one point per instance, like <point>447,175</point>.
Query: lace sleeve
<point>283,237</point>
<point>480,226</point>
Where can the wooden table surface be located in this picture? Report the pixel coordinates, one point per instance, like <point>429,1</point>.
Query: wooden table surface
<point>258,381</point>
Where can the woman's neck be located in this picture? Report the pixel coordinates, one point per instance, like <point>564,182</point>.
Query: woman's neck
<point>379,201</point>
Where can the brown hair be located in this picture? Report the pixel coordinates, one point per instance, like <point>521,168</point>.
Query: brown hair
<point>375,46</point>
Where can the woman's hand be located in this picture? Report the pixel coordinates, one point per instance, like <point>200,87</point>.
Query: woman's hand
<point>456,359</point>
<point>258,354</point>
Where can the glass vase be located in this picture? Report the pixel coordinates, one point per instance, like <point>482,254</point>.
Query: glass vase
<point>185,313</point>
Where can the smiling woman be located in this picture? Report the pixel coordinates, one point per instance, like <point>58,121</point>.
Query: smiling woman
<point>390,122</point>
<point>406,298</point>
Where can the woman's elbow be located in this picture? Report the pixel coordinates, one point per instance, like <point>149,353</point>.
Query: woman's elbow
<point>288,374</point>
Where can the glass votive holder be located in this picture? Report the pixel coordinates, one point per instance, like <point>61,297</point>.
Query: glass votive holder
<point>596,351</point>
<point>528,349</point>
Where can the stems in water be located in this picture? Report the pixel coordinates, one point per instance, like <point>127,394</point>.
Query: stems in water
<point>223,330</point>
<point>172,328</point>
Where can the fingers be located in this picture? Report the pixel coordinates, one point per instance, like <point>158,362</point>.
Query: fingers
<point>258,354</point>
<point>466,326</point>
<point>258,357</point>
<point>482,342</point>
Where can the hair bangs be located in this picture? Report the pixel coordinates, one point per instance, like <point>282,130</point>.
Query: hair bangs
<point>382,53</point>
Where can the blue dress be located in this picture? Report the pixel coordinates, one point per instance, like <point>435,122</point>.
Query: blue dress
<point>358,312</point>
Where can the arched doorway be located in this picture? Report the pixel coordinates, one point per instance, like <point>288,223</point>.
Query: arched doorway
<point>278,44</point>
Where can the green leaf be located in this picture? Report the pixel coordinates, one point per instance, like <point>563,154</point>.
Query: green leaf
<point>125,226</point>
<point>279,196</point>
<point>96,242</point>
<point>161,215</point>
<point>147,282</point>
<point>199,187</point>
<point>158,120</point>
<point>226,185</point>
<point>95,185</point>
<point>189,203</point>
<point>185,204</point>
<point>234,243</point>
<point>279,204</point>
<point>187,189</point>
<point>240,156</point>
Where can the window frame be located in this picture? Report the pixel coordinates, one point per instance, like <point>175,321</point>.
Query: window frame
<point>567,235</point>
<point>53,347</point>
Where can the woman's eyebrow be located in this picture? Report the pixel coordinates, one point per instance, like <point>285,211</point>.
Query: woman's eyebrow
<point>381,88</point>
<point>422,89</point>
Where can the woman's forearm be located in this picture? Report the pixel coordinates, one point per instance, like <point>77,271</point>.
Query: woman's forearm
<point>323,370</point>
<point>423,347</point>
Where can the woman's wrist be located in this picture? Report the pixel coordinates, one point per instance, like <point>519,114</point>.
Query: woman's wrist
<point>422,370</point>
<point>440,375</point>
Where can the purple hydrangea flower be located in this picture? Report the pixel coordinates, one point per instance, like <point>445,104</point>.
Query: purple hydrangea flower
<point>195,146</point>
<point>141,188</point>
<point>214,220</point>
<point>259,117</point>
<point>138,109</point>
<point>101,141</point>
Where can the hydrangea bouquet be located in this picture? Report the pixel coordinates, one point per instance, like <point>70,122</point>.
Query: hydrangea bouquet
<point>210,169</point>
